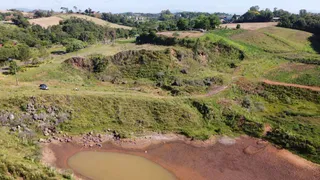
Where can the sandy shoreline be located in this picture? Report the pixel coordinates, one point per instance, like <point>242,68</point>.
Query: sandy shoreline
<point>218,158</point>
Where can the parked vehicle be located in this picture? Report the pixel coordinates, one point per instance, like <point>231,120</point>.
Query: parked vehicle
<point>43,87</point>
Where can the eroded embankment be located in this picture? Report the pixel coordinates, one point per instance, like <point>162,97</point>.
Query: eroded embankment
<point>220,158</point>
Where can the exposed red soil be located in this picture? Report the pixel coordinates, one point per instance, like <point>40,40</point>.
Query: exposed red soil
<point>313,88</point>
<point>247,159</point>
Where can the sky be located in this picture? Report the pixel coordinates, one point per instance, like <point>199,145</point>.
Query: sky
<point>153,6</point>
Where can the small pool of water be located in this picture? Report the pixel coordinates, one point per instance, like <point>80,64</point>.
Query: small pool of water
<point>117,166</point>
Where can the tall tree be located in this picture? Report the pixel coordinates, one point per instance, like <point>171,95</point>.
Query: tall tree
<point>75,8</point>
<point>183,24</point>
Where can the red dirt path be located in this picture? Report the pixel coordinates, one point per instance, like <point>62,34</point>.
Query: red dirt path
<point>291,85</point>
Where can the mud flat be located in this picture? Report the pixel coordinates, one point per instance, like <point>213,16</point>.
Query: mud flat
<point>220,158</point>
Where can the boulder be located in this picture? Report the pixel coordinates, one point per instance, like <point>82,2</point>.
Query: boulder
<point>11,117</point>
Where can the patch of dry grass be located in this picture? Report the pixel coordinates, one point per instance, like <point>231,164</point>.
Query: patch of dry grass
<point>46,22</point>
<point>94,19</point>
<point>250,26</point>
<point>182,34</point>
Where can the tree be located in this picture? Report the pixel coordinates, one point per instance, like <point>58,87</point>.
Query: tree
<point>234,18</point>
<point>75,8</point>
<point>183,24</point>
<point>13,68</point>
<point>254,8</point>
<point>165,15</point>
<point>303,12</point>
<point>24,52</point>
<point>75,45</point>
<point>214,21</point>
<point>202,22</point>
<point>21,21</point>
<point>65,9</point>
<point>163,26</point>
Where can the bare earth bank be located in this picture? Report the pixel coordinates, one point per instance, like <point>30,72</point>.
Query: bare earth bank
<point>220,158</point>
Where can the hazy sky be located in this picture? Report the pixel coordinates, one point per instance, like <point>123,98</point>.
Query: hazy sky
<point>229,6</point>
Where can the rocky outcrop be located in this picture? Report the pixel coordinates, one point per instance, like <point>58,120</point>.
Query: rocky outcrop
<point>45,118</point>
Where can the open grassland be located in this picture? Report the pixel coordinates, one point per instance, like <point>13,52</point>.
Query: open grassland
<point>54,20</point>
<point>296,73</point>
<point>249,26</point>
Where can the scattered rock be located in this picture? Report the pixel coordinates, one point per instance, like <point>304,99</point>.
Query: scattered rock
<point>42,141</point>
<point>227,141</point>
<point>11,117</point>
<point>184,71</point>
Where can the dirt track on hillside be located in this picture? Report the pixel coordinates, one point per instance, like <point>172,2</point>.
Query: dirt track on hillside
<point>313,88</point>
<point>247,159</point>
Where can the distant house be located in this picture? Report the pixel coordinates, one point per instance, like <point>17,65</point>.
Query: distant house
<point>225,19</point>
<point>276,19</point>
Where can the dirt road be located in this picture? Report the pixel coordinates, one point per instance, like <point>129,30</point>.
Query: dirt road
<point>313,88</point>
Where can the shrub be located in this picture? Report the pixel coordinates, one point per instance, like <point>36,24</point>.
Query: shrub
<point>99,62</point>
<point>75,45</point>
<point>238,26</point>
<point>175,34</point>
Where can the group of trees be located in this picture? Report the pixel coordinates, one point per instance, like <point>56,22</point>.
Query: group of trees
<point>303,21</point>
<point>42,13</point>
<point>254,14</point>
<point>165,21</point>
<point>206,22</point>
<point>27,41</point>
<point>119,19</point>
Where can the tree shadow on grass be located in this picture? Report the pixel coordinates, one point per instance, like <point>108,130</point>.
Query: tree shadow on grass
<point>58,52</point>
<point>315,42</point>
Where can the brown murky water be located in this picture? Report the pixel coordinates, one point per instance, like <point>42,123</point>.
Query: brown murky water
<point>117,166</point>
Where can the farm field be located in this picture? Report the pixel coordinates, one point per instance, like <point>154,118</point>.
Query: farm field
<point>54,20</point>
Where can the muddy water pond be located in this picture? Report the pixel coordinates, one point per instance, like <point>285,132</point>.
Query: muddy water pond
<point>116,166</point>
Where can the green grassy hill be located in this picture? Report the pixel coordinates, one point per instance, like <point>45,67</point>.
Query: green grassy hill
<point>205,87</point>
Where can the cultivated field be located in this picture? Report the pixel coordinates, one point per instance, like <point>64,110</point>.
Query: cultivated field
<point>46,22</point>
<point>26,14</point>
<point>54,20</point>
<point>182,34</point>
<point>250,26</point>
<point>96,20</point>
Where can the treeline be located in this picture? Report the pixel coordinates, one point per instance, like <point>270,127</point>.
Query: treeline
<point>74,34</point>
<point>42,13</point>
<point>120,19</point>
<point>302,21</point>
<point>165,21</point>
